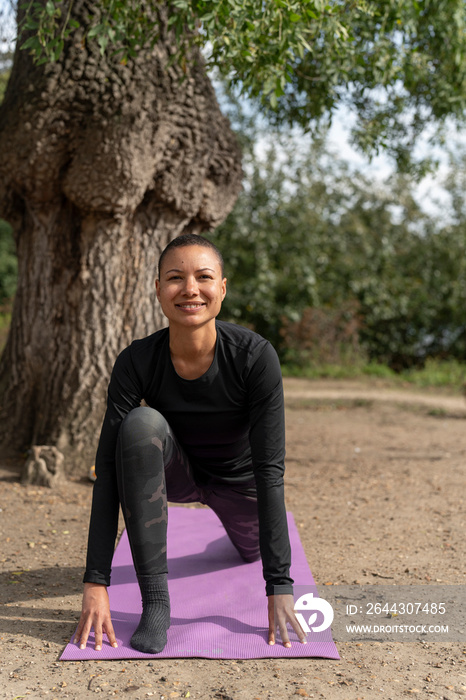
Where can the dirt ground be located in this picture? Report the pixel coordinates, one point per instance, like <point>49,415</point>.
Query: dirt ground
<point>376,482</point>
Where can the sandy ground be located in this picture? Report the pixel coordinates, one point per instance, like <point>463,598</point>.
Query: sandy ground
<point>376,482</point>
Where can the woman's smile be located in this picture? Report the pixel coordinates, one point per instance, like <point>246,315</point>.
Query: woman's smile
<point>190,306</point>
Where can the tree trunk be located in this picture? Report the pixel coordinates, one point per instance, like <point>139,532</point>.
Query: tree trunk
<point>101,166</point>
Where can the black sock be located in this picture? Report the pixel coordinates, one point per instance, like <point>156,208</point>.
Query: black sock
<point>151,633</point>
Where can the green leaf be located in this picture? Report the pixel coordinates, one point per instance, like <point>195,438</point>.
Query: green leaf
<point>102,41</point>
<point>95,31</point>
<point>30,23</point>
<point>50,8</point>
<point>32,42</point>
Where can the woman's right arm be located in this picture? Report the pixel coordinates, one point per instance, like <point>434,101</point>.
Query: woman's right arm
<point>124,394</point>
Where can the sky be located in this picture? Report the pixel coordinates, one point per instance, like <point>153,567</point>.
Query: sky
<point>429,192</point>
<point>7,23</point>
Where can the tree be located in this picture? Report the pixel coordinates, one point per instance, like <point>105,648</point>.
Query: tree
<point>102,164</point>
<point>115,144</point>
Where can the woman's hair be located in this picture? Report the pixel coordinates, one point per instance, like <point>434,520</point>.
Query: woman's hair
<point>187,239</point>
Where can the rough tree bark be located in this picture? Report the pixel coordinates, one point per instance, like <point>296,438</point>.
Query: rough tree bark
<point>101,165</point>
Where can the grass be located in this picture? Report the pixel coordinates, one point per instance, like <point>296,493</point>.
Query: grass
<point>449,374</point>
<point>438,373</point>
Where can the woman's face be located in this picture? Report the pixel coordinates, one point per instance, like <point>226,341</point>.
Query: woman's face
<point>191,288</point>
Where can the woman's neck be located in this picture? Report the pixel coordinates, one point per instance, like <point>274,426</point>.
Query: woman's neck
<point>192,350</point>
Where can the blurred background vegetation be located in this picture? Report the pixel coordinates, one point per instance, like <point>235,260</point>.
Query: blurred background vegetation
<point>344,275</point>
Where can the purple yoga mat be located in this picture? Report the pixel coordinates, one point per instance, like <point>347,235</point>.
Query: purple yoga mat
<point>218,602</point>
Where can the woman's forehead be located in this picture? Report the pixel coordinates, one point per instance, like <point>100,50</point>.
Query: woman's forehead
<point>190,256</point>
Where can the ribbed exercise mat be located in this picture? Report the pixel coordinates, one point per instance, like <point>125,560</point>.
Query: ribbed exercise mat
<point>218,602</point>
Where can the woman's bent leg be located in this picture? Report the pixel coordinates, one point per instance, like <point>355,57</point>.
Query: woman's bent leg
<point>145,449</point>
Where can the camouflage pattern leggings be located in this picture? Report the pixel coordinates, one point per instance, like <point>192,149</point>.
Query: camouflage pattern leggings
<point>151,469</point>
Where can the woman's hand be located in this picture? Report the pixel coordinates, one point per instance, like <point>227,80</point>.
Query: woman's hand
<point>281,611</point>
<point>95,614</point>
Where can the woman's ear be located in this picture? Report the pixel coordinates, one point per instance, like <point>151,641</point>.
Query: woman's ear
<point>224,288</point>
<point>157,288</point>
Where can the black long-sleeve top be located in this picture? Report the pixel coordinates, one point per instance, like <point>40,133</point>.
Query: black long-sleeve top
<point>230,422</point>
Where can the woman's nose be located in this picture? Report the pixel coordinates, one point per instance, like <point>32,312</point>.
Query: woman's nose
<point>191,286</point>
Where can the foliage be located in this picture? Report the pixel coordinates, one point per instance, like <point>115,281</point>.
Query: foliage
<point>4,76</point>
<point>399,64</point>
<point>307,233</point>
<point>6,60</point>
<point>8,263</point>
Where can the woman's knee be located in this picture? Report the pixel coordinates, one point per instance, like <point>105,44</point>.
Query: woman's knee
<point>143,423</point>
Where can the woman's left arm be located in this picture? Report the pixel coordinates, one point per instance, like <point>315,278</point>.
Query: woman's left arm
<point>267,440</point>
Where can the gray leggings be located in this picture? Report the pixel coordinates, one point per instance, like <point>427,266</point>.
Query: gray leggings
<point>153,468</point>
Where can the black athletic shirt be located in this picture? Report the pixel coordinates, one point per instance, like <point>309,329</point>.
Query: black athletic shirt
<point>230,421</point>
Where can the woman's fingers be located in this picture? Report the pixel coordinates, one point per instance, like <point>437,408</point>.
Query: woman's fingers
<point>79,629</point>
<point>109,631</point>
<point>100,627</point>
<point>95,614</point>
<point>298,629</point>
<point>271,633</point>
<point>283,631</point>
<point>82,633</point>
<point>271,614</point>
<point>98,635</point>
<point>281,612</point>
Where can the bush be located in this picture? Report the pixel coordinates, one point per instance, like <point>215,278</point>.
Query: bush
<point>323,337</point>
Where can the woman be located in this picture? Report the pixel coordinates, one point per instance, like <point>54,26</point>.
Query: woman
<point>212,432</point>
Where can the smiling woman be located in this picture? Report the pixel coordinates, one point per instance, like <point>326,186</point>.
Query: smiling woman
<point>212,432</point>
